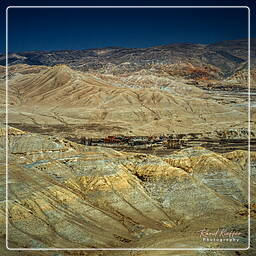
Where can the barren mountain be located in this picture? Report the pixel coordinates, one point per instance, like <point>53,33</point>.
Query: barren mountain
<point>120,147</point>
<point>223,58</point>
<point>110,105</point>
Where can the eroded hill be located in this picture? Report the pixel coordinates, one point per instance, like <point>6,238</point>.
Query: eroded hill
<point>62,194</point>
<point>109,105</point>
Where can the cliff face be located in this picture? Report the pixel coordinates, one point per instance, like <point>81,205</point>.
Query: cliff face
<point>62,194</point>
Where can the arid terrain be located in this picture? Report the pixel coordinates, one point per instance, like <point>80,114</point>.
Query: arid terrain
<point>129,148</point>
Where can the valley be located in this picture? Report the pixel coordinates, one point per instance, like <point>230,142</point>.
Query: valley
<point>128,148</point>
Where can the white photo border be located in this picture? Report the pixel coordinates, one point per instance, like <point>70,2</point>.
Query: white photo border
<point>134,249</point>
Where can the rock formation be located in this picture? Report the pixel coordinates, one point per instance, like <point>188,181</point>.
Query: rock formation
<point>62,194</point>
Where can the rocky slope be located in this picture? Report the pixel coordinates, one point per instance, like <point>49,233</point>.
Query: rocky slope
<point>62,194</point>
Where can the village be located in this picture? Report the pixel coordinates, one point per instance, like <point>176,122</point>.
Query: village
<point>174,141</point>
<point>219,141</point>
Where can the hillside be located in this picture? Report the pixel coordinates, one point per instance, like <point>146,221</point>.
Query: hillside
<point>77,196</point>
<point>133,105</point>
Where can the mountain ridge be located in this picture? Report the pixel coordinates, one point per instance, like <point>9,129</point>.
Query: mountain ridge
<point>226,56</point>
<point>123,47</point>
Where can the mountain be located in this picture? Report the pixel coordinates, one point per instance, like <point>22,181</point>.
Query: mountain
<point>99,104</point>
<point>128,148</point>
<point>223,58</point>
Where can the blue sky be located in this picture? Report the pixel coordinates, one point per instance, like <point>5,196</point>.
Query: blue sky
<point>58,29</point>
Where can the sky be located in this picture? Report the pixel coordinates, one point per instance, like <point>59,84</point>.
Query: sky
<point>31,29</point>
